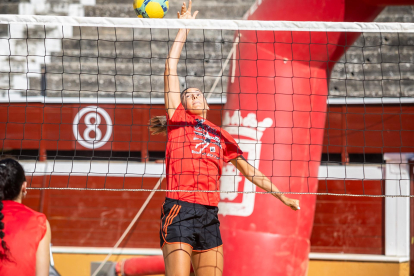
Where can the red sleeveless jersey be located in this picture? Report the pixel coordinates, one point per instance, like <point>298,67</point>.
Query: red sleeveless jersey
<point>196,150</point>
<point>23,231</point>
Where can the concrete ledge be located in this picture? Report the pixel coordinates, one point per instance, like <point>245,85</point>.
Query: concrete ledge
<point>358,257</point>
<point>105,250</point>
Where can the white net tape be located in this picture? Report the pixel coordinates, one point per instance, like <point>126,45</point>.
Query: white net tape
<point>204,24</point>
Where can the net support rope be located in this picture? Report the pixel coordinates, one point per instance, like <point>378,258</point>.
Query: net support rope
<point>204,191</point>
<point>133,221</point>
<point>231,53</point>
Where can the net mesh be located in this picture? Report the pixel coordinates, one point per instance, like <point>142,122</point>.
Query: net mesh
<point>76,96</point>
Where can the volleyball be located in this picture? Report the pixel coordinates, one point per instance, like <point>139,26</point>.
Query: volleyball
<point>151,8</point>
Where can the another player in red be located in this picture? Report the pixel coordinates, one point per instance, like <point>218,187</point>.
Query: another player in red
<point>196,150</point>
<point>25,234</point>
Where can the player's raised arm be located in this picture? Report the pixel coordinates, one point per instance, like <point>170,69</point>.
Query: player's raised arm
<point>261,181</point>
<point>171,82</point>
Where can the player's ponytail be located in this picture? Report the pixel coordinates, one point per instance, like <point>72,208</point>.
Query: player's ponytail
<point>158,125</point>
<point>5,250</point>
<point>11,180</point>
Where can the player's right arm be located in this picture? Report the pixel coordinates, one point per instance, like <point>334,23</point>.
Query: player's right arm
<point>171,82</point>
<point>261,181</point>
<point>43,253</point>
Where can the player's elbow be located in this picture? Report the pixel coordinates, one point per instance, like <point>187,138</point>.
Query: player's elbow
<point>169,64</point>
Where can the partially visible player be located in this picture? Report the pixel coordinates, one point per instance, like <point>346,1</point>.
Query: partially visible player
<point>196,150</point>
<point>25,234</point>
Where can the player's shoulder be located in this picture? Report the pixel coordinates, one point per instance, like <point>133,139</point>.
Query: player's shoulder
<point>223,132</point>
<point>20,210</point>
<point>179,114</point>
<point>177,110</point>
<point>34,213</point>
<point>213,125</point>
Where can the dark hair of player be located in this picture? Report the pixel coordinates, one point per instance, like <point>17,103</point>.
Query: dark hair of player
<point>11,180</point>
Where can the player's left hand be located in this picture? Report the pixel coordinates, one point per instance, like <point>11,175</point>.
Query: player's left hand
<point>186,13</point>
<point>292,203</point>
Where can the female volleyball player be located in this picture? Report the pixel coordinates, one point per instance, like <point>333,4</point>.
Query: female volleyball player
<point>196,150</point>
<point>25,234</point>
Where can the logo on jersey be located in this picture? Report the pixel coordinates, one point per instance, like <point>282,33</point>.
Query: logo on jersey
<point>207,136</point>
<point>248,133</point>
<point>92,127</point>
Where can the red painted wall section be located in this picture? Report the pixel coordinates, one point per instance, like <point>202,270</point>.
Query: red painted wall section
<point>349,224</point>
<point>98,218</point>
<point>369,129</point>
<point>358,128</point>
<point>25,125</point>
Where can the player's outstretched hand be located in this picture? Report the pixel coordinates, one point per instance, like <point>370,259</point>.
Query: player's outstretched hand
<point>186,13</point>
<point>292,203</point>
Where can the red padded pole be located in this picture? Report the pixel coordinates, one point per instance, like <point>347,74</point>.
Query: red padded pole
<point>142,266</point>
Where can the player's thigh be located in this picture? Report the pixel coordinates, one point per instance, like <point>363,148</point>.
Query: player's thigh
<point>208,263</point>
<point>177,259</point>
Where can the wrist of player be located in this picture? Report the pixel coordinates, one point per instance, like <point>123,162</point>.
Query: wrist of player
<point>287,201</point>
<point>280,196</point>
<point>284,199</point>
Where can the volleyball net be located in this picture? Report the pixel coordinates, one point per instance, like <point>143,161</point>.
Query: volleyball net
<point>324,102</point>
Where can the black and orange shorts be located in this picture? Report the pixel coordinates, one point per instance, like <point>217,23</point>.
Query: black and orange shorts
<point>190,223</point>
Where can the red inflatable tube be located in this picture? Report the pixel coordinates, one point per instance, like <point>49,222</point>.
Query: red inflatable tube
<point>142,266</point>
